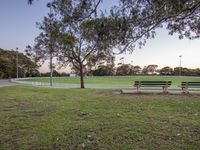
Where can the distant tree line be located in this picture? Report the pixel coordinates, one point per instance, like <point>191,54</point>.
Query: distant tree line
<point>128,69</point>
<point>55,74</point>
<point>8,65</point>
<point>103,66</point>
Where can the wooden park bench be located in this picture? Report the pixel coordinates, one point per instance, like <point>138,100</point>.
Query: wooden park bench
<point>186,85</point>
<point>162,84</point>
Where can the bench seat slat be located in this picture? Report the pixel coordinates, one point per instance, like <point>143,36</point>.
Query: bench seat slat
<point>191,82</point>
<point>152,86</point>
<point>191,87</point>
<point>152,83</point>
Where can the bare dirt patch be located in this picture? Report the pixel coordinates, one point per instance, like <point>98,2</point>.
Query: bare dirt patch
<point>80,115</point>
<point>150,93</point>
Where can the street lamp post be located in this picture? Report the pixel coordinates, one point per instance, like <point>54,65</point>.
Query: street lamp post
<point>180,59</point>
<point>51,70</point>
<point>17,61</point>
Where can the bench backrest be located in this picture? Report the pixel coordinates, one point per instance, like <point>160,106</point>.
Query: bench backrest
<point>153,83</point>
<point>190,84</point>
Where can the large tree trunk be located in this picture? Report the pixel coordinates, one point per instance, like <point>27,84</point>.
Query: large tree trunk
<point>81,76</point>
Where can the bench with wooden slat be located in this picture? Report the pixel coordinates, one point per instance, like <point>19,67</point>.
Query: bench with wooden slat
<point>163,84</point>
<point>186,85</point>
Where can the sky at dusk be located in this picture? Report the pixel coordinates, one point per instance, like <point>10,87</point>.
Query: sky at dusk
<point>18,29</point>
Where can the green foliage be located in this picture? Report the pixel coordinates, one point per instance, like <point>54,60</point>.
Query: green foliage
<point>55,74</point>
<point>150,69</point>
<point>46,43</point>
<point>27,68</point>
<point>180,16</point>
<point>102,70</point>
<point>77,39</point>
<point>123,70</point>
<point>186,71</point>
<point>166,71</point>
<point>136,69</point>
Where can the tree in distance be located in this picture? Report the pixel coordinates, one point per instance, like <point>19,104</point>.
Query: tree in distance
<point>166,71</point>
<point>46,43</point>
<point>27,67</point>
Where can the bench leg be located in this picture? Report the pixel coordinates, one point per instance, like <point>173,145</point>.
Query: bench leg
<point>165,89</point>
<point>121,91</point>
<point>185,90</point>
<point>138,89</point>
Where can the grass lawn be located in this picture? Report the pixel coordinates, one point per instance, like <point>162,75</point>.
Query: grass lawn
<point>44,118</point>
<point>116,80</point>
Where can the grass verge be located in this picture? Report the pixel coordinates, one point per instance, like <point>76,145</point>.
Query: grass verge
<point>39,118</point>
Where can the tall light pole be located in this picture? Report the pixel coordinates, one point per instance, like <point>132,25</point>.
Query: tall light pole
<point>17,62</point>
<point>180,59</point>
<point>51,69</point>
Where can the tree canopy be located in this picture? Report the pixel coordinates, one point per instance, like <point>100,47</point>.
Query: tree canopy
<point>180,16</point>
<point>27,67</point>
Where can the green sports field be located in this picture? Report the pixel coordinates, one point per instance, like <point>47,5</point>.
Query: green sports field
<point>116,80</point>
